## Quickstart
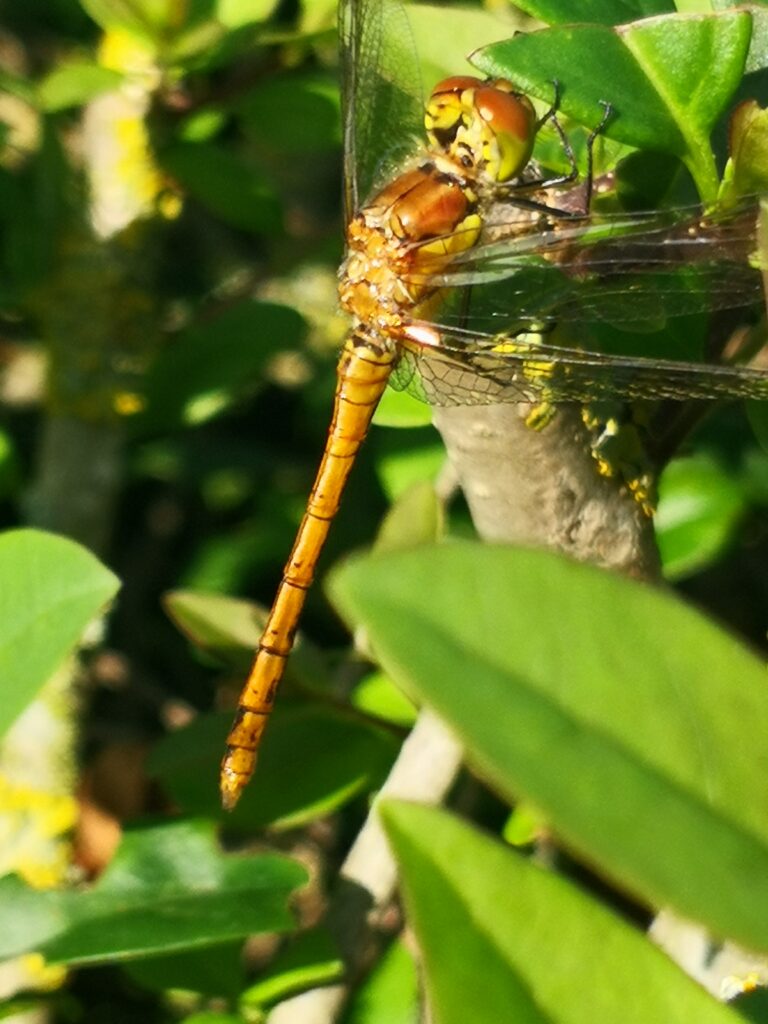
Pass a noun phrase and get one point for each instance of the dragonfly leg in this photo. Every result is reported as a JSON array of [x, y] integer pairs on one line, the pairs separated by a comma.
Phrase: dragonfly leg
[[553, 108], [573, 173], [598, 130], [619, 448]]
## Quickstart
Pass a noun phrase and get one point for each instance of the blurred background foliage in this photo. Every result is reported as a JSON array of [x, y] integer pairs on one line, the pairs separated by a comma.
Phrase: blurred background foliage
[[170, 231]]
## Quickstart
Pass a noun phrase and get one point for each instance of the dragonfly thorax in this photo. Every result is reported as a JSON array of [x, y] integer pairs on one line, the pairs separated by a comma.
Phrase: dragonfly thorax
[[487, 128], [408, 233]]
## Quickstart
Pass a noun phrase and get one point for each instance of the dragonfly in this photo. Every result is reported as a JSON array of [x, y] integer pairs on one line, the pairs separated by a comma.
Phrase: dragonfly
[[468, 216]]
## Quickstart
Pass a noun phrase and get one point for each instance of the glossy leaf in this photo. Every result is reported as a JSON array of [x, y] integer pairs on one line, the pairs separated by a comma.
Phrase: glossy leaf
[[644, 70], [606, 12], [533, 948], [339, 759], [629, 720], [50, 589], [168, 888]]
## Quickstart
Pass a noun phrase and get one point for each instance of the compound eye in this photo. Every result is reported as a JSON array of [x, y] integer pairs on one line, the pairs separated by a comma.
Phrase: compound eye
[[511, 120], [456, 84]]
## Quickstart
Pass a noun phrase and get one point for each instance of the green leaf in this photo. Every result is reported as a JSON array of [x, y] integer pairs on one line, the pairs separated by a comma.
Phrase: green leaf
[[401, 409], [533, 948], [340, 758], [407, 459], [752, 1005], [311, 960], [71, 85], [234, 190], [17, 85], [390, 993], [606, 12], [700, 505], [134, 16], [229, 630], [225, 627], [157, 22], [10, 474], [442, 37], [377, 695], [236, 13], [21, 1009], [213, 1017], [168, 888], [632, 723], [214, 364], [294, 115], [50, 589], [645, 71], [748, 134], [213, 971], [415, 518], [523, 826]]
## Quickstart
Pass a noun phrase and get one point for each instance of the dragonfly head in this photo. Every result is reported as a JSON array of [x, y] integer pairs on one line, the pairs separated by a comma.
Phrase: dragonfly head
[[486, 127]]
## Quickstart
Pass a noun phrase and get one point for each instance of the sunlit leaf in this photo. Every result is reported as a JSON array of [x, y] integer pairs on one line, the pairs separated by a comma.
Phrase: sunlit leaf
[[533, 948], [644, 70], [168, 888], [236, 13], [415, 518], [50, 589], [390, 994], [629, 720], [606, 12], [699, 508], [70, 85]]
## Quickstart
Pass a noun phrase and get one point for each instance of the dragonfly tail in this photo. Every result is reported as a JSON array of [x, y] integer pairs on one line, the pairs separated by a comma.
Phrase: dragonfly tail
[[363, 372]]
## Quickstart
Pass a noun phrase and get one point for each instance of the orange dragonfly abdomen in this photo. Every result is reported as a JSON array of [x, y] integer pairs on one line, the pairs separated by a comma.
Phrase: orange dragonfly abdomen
[[362, 375]]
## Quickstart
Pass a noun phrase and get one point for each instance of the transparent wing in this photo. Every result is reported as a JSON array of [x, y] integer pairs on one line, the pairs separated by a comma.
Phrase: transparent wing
[[625, 268], [382, 107], [472, 369]]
